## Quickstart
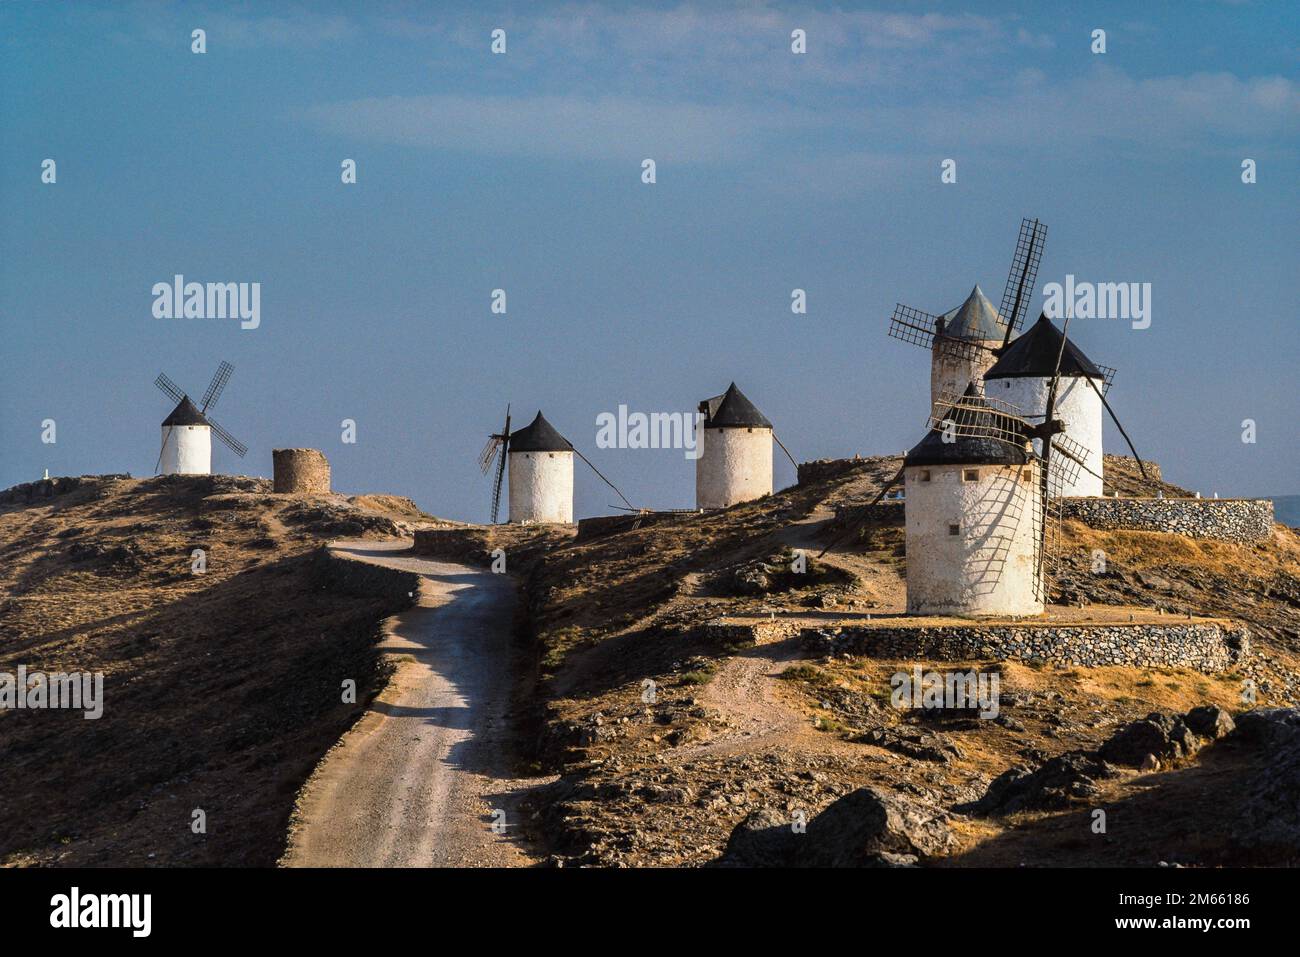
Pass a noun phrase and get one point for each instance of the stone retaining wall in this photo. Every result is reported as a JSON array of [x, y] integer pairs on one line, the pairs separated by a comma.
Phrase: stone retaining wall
[[351, 576], [1238, 520], [1204, 646], [601, 525], [471, 545]]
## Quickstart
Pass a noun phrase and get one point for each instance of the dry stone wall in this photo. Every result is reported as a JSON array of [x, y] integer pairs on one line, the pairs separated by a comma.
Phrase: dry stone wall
[[1205, 646], [1238, 520]]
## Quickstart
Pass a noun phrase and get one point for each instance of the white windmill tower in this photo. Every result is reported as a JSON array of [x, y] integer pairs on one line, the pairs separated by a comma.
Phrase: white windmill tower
[[541, 474], [187, 431], [540, 463], [972, 507], [735, 451], [1023, 377]]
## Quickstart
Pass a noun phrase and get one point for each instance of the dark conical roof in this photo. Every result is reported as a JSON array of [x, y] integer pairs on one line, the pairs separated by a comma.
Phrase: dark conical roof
[[733, 410], [974, 319], [968, 449], [1034, 354], [185, 413], [538, 436]]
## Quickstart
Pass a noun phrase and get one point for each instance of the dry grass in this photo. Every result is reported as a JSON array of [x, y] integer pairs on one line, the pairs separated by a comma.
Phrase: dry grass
[[221, 690]]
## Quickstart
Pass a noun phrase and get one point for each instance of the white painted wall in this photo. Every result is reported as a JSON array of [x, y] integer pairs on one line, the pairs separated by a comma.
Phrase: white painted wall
[[950, 373], [1077, 405], [735, 465], [989, 567], [541, 487], [186, 450]]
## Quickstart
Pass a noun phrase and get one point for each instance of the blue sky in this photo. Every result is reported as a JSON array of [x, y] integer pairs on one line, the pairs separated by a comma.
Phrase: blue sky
[[522, 171]]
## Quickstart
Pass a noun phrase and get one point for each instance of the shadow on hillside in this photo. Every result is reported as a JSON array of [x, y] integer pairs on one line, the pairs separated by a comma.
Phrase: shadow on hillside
[[1183, 816], [223, 700]]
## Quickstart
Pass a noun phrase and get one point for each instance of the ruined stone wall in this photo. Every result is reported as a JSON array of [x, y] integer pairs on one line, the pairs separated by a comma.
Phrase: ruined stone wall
[[1227, 519], [301, 471], [1204, 646]]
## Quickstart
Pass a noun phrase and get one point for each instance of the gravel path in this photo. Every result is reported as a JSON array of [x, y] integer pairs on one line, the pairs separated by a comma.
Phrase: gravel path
[[416, 781]]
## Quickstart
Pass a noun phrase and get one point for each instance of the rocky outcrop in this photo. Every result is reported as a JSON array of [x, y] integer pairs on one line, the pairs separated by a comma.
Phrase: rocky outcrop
[[1052, 786], [866, 828], [1072, 777], [1266, 823], [1165, 737], [1209, 721], [29, 492]]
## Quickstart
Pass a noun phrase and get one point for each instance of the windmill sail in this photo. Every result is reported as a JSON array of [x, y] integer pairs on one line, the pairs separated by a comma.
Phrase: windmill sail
[[1023, 274], [236, 446], [500, 444], [912, 325], [169, 388], [217, 385]]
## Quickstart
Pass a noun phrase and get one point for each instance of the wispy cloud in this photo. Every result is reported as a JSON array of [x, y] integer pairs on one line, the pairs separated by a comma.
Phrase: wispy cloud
[[291, 26], [569, 127], [1196, 111]]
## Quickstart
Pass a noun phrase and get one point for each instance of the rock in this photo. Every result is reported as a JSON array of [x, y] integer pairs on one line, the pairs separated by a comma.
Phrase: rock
[[1150, 763], [1053, 786], [1266, 816], [763, 839], [870, 828], [1267, 726], [1164, 736], [1209, 721], [922, 747]]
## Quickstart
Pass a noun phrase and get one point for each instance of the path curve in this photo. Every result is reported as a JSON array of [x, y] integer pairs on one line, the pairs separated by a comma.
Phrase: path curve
[[415, 781]]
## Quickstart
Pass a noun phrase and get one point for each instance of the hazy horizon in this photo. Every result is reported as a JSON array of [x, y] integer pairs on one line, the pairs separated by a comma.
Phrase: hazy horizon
[[522, 171]]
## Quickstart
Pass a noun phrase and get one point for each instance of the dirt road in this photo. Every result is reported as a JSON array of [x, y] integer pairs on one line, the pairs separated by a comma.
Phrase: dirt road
[[416, 781]]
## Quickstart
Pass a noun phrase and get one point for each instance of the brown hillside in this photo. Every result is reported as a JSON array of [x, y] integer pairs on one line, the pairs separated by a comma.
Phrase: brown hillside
[[222, 690]]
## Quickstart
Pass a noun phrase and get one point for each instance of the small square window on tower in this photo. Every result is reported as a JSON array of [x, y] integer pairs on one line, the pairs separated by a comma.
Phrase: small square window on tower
[[954, 529], [1027, 475], [925, 475], [970, 475]]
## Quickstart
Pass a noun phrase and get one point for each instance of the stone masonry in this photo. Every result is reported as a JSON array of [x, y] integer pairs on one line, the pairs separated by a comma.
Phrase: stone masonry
[[301, 471], [1207, 646], [1238, 520]]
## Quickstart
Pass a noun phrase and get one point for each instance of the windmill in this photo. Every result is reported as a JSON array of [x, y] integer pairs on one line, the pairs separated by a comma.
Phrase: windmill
[[187, 431], [964, 341], [540, 462], [735, 451], [982, 523], [964, 350], [981, 419], [1059, 459]]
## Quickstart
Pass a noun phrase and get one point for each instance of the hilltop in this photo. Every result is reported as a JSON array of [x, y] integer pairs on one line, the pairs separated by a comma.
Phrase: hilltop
[[221, 688], [772, 726], [675, 739]]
